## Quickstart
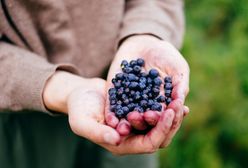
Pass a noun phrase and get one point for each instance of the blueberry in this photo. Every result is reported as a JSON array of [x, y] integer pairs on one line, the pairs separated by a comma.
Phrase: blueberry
[[119, 76], [131, 99], [117, 85], [118, 107], [156, 90], [113, 102], [124, 63], [167, 79], [157, 81], [143, 74], [140, 62], [139, 109], [112, 91], [125, 110], [124, 96], [144, 96], [132, 93], [153, 73], [150, 102], [132, 77], [131, 106], [168, 101], [112, 108], [120, 91], [156, 107], [126, 83], [126, 101], [167, 93], [137, 96], [149, 80], [142, 86], [146, 91], [160, 99], [143, 103], [119, 113], [113, 80], [168, 86], [133, 85], [133, 63], [150, 95], [142, 80], [127, 90], [137, 69], [119, 102], [112, 97], [127, 69]]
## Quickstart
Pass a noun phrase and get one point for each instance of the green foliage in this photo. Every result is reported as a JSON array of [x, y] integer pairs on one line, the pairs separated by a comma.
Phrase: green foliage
[[215, 133]]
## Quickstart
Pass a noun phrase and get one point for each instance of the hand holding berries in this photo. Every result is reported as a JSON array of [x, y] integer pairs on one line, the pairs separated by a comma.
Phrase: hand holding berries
[[167, 61]]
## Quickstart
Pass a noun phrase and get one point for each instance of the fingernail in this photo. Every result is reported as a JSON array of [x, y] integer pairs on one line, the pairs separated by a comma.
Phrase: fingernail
[[109, 138]]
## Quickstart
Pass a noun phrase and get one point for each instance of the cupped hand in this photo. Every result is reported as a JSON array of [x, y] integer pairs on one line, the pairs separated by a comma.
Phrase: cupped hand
[[164, 57], [86, 113], [86, 118]]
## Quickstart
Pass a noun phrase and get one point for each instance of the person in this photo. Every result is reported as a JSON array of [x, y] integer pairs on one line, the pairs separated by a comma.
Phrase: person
[[54, 57]]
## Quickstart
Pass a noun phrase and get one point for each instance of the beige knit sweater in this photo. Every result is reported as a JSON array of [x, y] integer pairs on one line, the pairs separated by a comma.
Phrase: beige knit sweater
[[40, 36]]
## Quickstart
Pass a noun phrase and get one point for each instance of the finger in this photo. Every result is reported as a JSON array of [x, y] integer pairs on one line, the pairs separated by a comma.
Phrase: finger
[[111, 119], [180, 86], [123, 127], [178, 108], [136, 120], [94, 131], [151, 117], [185, 110], [149, 143]]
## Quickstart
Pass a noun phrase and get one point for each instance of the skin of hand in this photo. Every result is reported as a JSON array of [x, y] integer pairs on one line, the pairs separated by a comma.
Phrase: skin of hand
[[84, 102], [164, 57]]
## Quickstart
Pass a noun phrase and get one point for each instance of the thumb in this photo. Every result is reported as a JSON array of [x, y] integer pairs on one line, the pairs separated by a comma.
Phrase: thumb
[[86, 117], [95, 132]]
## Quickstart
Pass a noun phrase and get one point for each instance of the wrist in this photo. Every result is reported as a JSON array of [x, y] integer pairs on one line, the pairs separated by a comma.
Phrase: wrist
[[58, 88]]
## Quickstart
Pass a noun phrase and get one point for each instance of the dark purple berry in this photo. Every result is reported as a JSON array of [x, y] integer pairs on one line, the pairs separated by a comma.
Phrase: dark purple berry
[[112, 108], [124, 63], [119, 113], [132, 77], [139, 109], [133, 63], [136, 69], [168, 101], [133, 85], [140, 62], [160, 99], [125, 110], [153, 73], [167, 93], [143, 103], [157, 81], [127, 69], [167, 79], [168, 86]]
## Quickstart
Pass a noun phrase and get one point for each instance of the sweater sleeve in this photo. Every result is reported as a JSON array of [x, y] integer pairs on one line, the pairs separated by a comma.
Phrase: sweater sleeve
[[23, 76], [161, 18]]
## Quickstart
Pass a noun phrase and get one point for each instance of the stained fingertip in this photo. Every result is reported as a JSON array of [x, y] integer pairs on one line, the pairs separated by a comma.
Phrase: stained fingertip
[[186, 110], [176, 105], [123, 127], [151, 117], [137, 120], [111, 120]]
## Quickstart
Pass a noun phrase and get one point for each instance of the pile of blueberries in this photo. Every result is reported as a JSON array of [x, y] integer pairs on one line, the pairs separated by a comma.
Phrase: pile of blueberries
[[136, 90]]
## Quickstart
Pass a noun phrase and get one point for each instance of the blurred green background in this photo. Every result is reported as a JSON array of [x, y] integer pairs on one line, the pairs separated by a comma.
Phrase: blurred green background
[[215, 133]]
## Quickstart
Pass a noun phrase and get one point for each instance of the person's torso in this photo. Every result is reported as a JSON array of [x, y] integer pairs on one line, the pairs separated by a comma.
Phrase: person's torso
[[81, 32]]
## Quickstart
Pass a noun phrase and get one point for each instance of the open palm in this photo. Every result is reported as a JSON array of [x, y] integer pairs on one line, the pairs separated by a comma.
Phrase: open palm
[[169, 62]]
